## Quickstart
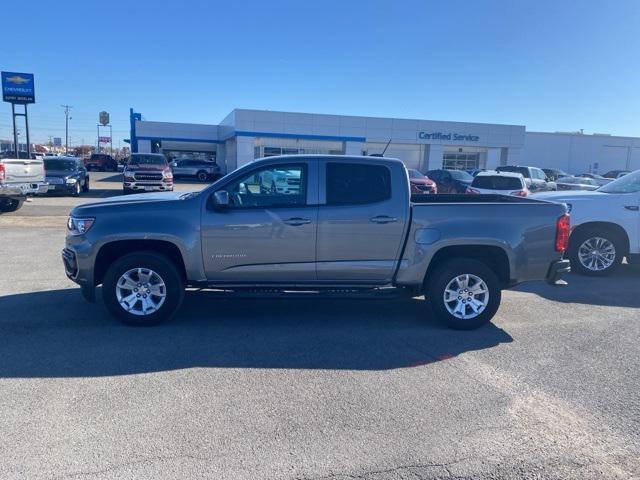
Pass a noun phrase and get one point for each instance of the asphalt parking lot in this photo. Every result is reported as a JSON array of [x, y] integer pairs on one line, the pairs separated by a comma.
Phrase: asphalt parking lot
[[309, 389]]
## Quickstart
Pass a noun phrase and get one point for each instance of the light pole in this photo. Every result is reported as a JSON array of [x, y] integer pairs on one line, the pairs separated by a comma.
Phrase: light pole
[[66, 127]]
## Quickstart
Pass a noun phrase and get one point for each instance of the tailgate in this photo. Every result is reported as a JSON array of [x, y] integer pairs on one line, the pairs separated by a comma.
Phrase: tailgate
[[23, 170]]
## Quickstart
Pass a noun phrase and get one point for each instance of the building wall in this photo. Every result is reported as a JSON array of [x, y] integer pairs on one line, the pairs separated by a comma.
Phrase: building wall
[[421, 144], [577, 153]]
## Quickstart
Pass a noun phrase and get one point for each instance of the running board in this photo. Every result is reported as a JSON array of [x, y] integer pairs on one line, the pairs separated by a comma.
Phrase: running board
[[285, 292]]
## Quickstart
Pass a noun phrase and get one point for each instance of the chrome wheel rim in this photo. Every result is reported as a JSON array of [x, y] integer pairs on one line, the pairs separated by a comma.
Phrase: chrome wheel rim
[[597, 254], [466, 296], [141, 291]]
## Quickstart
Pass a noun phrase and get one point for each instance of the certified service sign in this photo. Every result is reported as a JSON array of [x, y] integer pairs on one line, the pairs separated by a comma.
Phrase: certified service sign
[[18, 87]]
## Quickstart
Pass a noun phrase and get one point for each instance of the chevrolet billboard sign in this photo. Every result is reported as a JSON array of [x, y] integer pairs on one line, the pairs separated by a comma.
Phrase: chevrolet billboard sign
[[18, 87]]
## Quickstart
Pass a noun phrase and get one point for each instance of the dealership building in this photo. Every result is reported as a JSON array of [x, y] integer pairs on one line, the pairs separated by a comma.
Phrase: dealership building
[[245, 135]]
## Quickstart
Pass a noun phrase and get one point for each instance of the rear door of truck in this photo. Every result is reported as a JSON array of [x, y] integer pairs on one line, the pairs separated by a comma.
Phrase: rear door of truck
[[362, 217], [23, 170]]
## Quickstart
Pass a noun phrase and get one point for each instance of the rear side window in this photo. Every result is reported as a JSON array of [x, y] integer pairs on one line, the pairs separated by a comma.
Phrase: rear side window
[[357, 184], [497, 183]]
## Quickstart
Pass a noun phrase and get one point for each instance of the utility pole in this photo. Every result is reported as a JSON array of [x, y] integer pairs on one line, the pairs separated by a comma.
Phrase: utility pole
[[66, 127]]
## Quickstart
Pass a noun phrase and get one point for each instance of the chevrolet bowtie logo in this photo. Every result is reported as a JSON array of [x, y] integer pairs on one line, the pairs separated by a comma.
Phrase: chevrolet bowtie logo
[[18, 80]]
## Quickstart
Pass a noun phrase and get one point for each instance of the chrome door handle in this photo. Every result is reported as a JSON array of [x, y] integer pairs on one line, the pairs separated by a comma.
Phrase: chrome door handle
[[633, 208], [383, 219], [297, 221]]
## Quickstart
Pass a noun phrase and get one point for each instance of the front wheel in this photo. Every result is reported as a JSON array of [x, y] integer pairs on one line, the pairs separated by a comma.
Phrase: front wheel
[[464, 293], [595, 252], [202, 176], [143, 288], [77, 189]]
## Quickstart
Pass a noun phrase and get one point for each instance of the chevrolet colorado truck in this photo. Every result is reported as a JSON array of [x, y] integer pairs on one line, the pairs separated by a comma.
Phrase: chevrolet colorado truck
[[350, 227], [605, 225], [19, 178]]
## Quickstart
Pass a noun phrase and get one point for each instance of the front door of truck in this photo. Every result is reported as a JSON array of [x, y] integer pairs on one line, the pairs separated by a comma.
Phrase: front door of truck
[[266, 234], [360, 222]]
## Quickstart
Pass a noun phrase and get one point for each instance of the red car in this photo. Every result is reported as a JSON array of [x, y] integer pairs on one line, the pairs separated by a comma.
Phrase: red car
[[421, 183]]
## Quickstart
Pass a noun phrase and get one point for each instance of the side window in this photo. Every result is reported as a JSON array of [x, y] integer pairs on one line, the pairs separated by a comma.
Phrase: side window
[[357, 184], [273, 186], [539, 174]]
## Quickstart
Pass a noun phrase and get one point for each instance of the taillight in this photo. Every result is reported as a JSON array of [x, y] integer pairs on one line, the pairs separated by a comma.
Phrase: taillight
[[520, 193], [563, 229], [2, 173], [472, 191]]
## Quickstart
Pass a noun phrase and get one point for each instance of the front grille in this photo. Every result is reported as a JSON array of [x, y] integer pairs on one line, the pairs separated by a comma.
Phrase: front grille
[[148, 176]]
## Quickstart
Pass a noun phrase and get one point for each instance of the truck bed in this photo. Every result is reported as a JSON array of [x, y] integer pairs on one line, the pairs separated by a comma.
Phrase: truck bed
[[420, 198]]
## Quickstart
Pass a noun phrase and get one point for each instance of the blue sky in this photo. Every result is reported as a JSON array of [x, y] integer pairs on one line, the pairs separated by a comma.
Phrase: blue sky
[[549, 65]]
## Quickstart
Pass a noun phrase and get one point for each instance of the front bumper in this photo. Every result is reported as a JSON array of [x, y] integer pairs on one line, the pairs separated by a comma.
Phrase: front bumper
[[23, 189], [556, 270], [62, 188], [73, 268], [148, 187]]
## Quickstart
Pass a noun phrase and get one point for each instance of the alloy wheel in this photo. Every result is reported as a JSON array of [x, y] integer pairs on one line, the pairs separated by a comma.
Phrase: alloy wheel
[[141, 291], [597, 254], [466, 296]]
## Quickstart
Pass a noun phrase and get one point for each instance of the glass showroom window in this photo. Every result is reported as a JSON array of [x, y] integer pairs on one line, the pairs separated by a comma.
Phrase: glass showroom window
[[460, 161], [263, 152]]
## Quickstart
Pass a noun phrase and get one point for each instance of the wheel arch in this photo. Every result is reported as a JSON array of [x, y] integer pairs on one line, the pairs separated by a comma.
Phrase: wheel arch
[[496, 258], [111, 251], [606, 227]]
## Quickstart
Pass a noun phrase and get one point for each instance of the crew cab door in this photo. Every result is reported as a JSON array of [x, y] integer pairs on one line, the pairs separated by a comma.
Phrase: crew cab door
[[264, 235], [362, 217]]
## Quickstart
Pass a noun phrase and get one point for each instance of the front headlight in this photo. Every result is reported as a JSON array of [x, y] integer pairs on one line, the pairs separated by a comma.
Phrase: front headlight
[[71, 181], [79, 226]]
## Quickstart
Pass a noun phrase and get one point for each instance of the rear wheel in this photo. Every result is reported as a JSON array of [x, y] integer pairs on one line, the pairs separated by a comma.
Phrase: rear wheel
[[8, 205], [143, 289], [595, 252], [464, 293]]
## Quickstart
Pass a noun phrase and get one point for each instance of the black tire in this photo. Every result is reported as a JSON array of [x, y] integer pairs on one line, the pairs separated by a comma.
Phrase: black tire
[[9, 205], [77, 189], [160, 264], [581, 236], [447, 272], [85, 186], [202, 176]]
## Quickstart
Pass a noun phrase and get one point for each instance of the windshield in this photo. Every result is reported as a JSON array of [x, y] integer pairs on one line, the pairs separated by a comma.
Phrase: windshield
[[147, 160], [630, 183], [460, 175], [415, 174], [58, 164]]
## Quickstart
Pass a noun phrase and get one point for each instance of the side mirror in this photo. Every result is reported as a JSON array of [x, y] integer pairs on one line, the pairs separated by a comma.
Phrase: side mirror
[[221, 200]]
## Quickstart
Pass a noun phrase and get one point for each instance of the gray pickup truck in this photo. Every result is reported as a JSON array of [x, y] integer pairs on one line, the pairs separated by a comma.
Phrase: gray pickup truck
[[342, 226], [19, 178]]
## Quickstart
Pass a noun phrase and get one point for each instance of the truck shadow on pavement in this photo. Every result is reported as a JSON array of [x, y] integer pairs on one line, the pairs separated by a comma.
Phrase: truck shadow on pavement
[[620, 289], [57, 334]]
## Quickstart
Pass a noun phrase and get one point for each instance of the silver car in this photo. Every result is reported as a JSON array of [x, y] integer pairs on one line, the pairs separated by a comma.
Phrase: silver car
[[201, 169]]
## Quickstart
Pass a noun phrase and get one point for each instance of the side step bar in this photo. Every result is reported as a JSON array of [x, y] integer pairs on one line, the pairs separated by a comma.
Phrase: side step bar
[[286, 292]]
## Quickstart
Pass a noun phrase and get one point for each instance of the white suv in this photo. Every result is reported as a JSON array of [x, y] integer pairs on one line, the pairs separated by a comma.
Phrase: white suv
[[605, 225], [504, 183]]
